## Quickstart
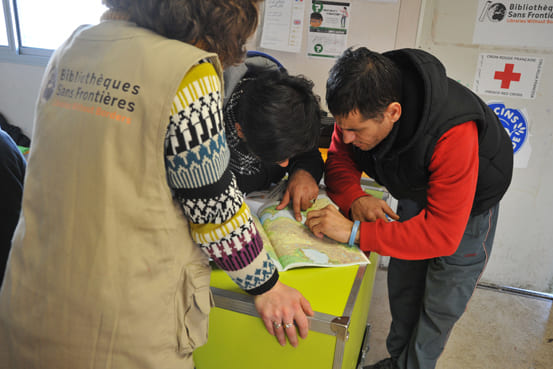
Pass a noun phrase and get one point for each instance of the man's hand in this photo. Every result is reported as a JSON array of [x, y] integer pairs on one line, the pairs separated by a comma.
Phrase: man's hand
[[283, 309], [329, 222], [302, 190], [370, 208]]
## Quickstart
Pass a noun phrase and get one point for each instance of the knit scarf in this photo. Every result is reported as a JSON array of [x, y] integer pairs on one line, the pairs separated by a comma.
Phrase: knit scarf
[[242, 161]]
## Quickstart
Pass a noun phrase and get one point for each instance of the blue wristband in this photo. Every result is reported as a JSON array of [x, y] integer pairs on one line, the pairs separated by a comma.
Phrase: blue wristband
[[353, 234]]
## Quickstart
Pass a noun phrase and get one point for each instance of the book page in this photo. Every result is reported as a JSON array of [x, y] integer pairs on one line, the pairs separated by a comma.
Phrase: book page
[[296, 246], [267, 245]]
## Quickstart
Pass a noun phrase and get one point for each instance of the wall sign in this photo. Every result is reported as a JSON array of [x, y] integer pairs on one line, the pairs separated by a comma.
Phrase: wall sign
[[283, 25], [328, 28], [527, 23], [516, 124], [514, 76]]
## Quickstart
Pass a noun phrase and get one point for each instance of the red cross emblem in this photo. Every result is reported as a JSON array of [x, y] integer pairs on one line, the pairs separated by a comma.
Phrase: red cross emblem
[[507, 76]]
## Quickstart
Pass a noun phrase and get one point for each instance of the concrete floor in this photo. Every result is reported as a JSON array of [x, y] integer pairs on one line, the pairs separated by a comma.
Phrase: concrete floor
[[498, 331]]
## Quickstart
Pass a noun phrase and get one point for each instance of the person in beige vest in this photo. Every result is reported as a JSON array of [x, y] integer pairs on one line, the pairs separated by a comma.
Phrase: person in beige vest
[[128, 194]]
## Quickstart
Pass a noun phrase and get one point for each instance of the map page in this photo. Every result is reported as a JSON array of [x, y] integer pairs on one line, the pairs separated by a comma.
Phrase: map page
[[291, 244]]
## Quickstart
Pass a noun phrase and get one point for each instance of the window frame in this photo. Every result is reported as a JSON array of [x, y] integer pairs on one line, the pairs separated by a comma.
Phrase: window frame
[[15, 52]]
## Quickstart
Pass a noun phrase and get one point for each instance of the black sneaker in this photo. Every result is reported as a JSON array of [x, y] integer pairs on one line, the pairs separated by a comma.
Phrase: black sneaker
[[388, 363]]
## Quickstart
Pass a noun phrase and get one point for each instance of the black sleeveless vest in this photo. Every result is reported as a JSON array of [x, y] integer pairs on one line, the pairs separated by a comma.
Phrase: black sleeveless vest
[[432, 104]]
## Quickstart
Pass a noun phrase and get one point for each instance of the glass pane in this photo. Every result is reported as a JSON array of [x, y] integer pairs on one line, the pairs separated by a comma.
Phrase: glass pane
[[3, 33], [46, 24]]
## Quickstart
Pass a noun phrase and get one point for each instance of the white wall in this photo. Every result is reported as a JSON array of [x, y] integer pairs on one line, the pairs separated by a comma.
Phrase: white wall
[[523, 249], [380, 26], [19, 86]]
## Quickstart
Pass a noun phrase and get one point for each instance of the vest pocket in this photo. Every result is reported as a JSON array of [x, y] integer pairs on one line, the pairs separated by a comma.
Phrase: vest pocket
[[193, 303]]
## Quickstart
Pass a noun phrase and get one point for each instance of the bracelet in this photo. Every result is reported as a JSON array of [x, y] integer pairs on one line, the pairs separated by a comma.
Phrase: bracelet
[[353, 234]]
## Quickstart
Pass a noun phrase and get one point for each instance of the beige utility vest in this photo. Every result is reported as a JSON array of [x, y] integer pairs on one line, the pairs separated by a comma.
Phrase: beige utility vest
[[103, 272]]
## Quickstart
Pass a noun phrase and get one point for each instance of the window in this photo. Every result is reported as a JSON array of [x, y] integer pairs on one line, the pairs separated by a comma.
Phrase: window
[[40, 26], [46, 24], [3, 32]]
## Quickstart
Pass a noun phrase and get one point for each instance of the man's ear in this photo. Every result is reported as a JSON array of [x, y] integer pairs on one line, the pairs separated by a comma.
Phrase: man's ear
[[239, 132], [394, 111]]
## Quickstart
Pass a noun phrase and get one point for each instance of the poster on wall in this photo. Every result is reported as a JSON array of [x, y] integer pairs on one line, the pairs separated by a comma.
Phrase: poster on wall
[[515, 76], [526, 23], [515, 122], [283, 25], [328, 28]]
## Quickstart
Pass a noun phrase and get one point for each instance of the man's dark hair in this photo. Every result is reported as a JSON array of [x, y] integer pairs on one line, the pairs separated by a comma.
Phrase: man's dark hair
[[279, 115], [362, 80]]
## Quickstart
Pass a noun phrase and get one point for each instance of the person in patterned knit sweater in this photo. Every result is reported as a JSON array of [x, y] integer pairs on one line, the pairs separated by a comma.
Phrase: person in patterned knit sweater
[[128, 193], [272, 121]]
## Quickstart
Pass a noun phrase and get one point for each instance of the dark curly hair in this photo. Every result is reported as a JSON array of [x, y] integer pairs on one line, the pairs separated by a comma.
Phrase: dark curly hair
[[219, 26], [279, 115]]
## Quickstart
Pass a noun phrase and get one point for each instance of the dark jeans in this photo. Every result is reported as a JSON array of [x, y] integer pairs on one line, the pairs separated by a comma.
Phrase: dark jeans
[[427, 297]]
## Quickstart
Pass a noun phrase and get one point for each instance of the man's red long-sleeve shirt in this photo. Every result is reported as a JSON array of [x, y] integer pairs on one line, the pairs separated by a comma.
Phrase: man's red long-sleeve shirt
[[437, 230]]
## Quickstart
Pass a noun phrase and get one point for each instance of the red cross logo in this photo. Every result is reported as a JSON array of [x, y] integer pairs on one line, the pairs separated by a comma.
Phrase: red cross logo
[[507, 76]]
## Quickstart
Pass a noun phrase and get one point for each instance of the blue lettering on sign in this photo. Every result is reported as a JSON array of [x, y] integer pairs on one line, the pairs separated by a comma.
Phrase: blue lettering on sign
[[514, 123]]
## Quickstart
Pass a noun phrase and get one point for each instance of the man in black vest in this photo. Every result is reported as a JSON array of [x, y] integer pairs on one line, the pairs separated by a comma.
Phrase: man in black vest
[[442, 152]]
